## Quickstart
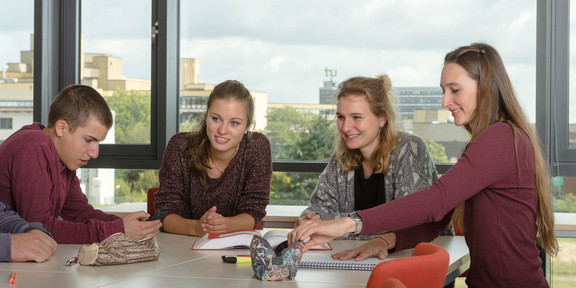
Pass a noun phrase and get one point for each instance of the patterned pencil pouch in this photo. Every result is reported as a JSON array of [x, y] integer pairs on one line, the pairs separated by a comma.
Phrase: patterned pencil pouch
[[276, 264], [119, 249]]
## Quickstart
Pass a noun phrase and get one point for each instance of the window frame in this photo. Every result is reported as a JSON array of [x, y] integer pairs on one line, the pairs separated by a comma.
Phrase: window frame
[[57, 33], [57, 46], [552, 83]]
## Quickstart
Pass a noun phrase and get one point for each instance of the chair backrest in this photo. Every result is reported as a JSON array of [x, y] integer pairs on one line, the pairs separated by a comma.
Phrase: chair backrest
[[150, 200], [426, 268], [392, 283]]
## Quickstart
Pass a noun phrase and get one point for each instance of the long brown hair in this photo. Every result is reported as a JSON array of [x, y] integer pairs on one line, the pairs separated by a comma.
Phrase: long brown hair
[[497, 101], [198, 149], [377, 93]]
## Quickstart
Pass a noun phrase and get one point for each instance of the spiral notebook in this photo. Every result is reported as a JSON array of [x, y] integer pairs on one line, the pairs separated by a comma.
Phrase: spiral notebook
[[325, 261]]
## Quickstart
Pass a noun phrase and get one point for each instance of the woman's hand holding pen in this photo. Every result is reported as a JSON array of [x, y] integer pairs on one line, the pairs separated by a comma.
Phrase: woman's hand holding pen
[[321, 232]]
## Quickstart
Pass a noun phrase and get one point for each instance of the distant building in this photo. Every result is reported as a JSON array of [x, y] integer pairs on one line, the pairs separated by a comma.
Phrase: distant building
[[328, 92], [409, 99], [194, 96], [438, 125], [326, 110]]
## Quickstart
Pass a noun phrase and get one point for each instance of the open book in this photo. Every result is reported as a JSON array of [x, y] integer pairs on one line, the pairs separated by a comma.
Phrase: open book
[[241, 240], [325, 261]]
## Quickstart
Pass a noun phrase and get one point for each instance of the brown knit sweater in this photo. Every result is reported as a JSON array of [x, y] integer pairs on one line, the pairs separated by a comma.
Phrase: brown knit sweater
[[244, 187]]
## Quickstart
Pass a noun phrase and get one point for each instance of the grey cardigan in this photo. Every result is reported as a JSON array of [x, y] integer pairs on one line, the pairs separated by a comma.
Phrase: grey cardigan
[[411, 169]]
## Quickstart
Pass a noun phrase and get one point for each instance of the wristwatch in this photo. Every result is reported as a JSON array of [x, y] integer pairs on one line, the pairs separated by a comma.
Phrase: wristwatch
[[358, 220]]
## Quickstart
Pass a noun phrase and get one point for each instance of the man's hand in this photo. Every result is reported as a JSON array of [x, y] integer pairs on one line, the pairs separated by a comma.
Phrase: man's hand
[[135, 227], [33, 245]]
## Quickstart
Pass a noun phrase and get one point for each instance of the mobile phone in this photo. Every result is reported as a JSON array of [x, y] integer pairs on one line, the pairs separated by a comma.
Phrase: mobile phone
[[157, 215]]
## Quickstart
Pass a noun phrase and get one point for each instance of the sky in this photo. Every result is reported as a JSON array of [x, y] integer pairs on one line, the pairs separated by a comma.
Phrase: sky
[[283, 47]]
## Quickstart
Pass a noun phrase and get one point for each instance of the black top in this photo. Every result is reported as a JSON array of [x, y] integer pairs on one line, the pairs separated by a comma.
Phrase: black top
[[368, 192]]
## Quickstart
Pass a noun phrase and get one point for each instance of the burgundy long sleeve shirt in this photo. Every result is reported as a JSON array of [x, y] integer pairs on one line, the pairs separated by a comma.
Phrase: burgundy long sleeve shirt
[[495, 176], [40, 188]]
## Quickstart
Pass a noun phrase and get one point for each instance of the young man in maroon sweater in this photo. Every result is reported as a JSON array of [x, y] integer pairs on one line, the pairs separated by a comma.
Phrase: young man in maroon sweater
[[38, 171]]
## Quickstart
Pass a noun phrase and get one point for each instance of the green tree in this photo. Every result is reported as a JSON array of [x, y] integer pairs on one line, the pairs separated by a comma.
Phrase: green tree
[[284, 129], [132, 184], [437, 152], [288, 189], [297, 136], [132, 116], [316, 143], [566, 205], [132, 125]]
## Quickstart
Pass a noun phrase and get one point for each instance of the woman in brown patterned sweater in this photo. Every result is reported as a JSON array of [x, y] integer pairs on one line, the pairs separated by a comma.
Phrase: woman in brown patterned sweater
[[217, 178]]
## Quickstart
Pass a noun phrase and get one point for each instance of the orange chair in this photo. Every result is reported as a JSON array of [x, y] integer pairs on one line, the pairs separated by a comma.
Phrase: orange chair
[[426, 268], [392, 283], [150, 200]]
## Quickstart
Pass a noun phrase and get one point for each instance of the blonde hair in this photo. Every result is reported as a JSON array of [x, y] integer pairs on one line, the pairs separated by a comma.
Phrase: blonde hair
[[377, 93], [497, 101]]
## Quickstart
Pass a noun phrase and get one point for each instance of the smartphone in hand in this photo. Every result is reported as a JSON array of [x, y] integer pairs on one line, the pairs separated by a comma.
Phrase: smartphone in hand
[[158, 215]]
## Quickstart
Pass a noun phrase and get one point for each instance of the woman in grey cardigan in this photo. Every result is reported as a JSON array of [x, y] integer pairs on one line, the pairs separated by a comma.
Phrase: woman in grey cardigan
[[374, 161]]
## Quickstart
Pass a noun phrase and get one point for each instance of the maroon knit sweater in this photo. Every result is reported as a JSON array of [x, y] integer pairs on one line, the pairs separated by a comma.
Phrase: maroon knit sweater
[[39, 187], [495, 176], [244, 187]]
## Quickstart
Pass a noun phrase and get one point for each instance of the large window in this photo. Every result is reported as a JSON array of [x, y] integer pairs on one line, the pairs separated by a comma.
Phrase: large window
[[563, 135], [16, 66], [293, 55], [116, 57]]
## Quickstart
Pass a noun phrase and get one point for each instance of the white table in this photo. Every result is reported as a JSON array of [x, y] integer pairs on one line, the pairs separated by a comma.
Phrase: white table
[[284, 216], [179, 266]]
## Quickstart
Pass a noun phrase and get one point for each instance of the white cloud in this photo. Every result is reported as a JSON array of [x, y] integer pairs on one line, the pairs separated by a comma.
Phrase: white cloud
[[283, 47]]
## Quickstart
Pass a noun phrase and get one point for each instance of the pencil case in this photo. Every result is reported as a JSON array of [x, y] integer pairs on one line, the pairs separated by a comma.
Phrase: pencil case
[[119, 249], [273, 264]]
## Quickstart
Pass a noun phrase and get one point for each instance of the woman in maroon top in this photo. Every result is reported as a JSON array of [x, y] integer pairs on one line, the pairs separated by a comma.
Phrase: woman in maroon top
[[217, 178], [498, 191]]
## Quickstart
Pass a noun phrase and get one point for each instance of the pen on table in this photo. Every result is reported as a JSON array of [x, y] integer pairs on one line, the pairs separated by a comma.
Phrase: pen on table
[[237, 259], [12, 279]]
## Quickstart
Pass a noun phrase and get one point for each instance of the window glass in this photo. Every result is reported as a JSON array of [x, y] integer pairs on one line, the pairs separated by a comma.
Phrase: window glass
[[293, 55], [564, 187], [16, 66], [564, 265], [116, 60], [572, 78]]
